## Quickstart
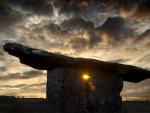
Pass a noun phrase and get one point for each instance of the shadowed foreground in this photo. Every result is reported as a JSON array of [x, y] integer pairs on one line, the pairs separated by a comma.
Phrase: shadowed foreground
[[37, 105]]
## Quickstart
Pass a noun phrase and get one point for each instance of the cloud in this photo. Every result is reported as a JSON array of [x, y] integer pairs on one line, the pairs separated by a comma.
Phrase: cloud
[[141, 89], [83, 30], [143, 10], [143, 40], [79, 43], [32, 74], [119, 60], [77, 23], [25, 86], [115, 28], [50, 29], [8, 16], [24, 75], [39, 7], [2, 69], [144, 36], [34, 86], [73, 6], [75, 33], [145, 59], [11, 76]]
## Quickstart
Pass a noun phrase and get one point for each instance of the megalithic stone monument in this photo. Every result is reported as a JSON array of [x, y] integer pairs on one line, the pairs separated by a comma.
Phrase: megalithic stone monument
[[79, 85]]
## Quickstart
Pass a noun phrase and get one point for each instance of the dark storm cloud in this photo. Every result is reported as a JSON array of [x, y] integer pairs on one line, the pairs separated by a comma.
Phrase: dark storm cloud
[[116, 28], [78, 43], [73, 6], [94, 39], [38, 7], [78, 6], [128, 4], [41, 7], [84, 6], [54, 28], [8, 16], [114, 4], [79, 24], [74, 29], [143, 9], [51, 28]]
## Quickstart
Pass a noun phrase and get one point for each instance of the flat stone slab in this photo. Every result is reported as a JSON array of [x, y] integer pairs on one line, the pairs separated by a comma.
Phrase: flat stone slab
[[43, 60]]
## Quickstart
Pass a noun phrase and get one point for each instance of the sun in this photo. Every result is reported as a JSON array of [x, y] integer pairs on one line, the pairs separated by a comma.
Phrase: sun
[[86, 77]]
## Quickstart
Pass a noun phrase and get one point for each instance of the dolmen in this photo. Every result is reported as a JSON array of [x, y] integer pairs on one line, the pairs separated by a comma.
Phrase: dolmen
[[79, 85]]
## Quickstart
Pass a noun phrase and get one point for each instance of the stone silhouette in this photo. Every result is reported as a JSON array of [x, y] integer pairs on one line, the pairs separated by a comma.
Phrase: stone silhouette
[[79, 85]]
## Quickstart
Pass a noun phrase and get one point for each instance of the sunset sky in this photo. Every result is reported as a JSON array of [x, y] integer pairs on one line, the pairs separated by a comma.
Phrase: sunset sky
[[108, 30]]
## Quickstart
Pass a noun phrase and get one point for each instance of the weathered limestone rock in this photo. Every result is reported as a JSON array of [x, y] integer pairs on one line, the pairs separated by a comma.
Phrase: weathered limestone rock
[[79, 85]]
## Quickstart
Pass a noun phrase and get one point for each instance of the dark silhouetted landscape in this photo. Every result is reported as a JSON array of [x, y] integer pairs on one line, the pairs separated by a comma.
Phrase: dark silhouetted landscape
[[10, 104]]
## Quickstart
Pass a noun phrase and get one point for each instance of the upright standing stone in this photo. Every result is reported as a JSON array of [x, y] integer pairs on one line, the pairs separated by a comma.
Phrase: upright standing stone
[[68, 92]]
